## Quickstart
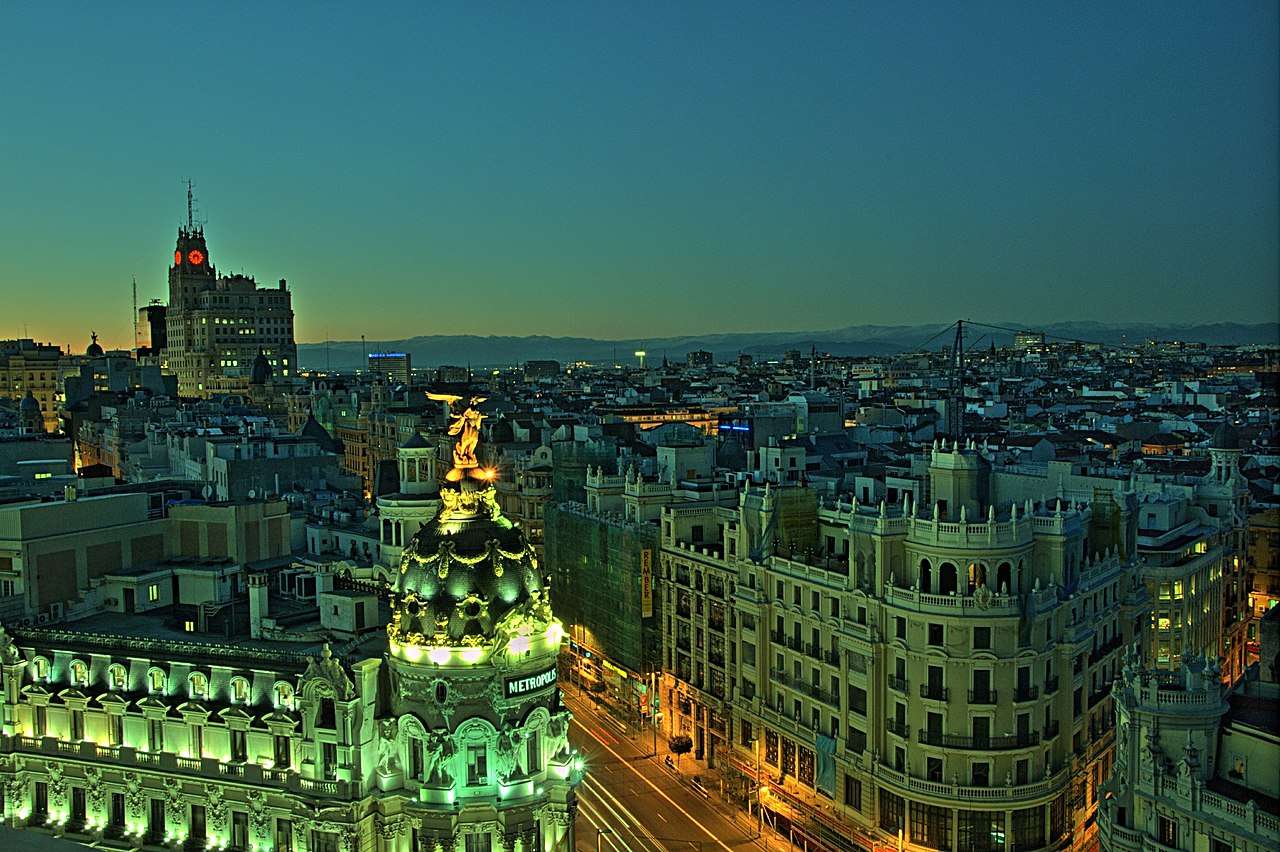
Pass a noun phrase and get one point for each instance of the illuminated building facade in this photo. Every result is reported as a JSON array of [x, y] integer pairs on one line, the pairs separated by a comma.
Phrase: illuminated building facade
[[28, 367], [392, 366], [216, 325], [444, 731], [936, 673]]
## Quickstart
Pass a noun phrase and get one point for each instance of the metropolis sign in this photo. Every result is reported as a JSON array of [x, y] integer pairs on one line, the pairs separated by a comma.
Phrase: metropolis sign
[[514, 687]]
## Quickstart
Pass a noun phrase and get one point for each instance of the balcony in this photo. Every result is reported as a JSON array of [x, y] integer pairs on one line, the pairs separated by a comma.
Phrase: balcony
[[982, 696], [831, 658], [794, 643], [897, 684], [934, 692], [1106, 648], [897, 728], [1051, 685], [974, 793], [1051, 730], [1025, 693], [1096, 697], [206, 767], [777, 638], [1004, 743]]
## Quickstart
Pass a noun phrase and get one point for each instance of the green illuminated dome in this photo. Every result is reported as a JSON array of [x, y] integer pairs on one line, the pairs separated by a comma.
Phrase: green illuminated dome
[[463, 572]]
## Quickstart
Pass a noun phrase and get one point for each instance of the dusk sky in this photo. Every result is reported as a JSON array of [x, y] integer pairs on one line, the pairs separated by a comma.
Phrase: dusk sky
[[612, 170]]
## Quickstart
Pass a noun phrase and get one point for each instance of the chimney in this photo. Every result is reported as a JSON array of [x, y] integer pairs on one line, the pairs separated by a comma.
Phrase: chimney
[[282, 284], [257, 604]]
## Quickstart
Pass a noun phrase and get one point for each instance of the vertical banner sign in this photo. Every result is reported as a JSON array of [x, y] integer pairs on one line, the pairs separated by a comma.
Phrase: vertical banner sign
[[646, 583]]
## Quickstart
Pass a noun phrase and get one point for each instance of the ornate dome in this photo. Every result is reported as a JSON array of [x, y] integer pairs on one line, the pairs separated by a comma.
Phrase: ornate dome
[[94, 350], [1225, 437], [29, 404], [464, 572]]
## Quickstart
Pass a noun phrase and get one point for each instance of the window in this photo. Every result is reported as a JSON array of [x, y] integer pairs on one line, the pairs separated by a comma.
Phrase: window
[[239, 690], [930, 826], [981, 637], [325, 715], [857, 741], [239, 747], [117, 676], [477, 765], [935, 634], [77, 725], [155, 680], [282, 752], [283, 695], [79, 673], [1167, 831], [199, 685], [115, 729], [853, 793], [533, 754], [42, 668], [900, 627], [891, 811], [981, 773], [155, 735], [153, 592], [480, 842], [196, 740], [329, 760]]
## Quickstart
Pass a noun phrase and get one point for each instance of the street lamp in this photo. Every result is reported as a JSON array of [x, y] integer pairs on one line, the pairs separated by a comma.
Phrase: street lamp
[[600, 833]]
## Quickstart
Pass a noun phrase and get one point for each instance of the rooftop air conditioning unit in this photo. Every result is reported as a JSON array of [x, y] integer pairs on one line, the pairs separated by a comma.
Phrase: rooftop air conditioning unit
[[42, 618]]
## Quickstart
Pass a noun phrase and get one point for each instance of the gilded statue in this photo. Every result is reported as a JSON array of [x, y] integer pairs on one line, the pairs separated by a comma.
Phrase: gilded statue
[[466, 428]]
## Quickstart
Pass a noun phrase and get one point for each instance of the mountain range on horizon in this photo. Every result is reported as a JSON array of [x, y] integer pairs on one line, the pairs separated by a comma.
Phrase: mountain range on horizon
[[853, 340]]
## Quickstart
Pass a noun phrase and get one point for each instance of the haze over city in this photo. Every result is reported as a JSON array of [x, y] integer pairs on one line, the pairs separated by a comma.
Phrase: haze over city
[[638, 172]]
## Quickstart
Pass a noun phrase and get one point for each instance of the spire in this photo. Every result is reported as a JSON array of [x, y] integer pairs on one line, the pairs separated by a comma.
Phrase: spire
[[190, 207]]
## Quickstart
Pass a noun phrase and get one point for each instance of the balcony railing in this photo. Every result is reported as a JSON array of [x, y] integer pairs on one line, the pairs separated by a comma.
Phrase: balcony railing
[[1025, 693], [897, 684], [1002, 743], [982, 696], [934, 691], [893, 726], [1051, 685], [1051, 730], [1106, 648], [205, 767]]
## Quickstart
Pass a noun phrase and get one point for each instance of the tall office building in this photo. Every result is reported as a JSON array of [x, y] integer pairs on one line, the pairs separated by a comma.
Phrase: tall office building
[[392, 366], [216, 325]]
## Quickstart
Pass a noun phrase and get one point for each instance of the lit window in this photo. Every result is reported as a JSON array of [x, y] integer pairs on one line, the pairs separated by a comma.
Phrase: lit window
[[153, 592], [199, 685], [79, 673], [284, 695], [155, 680], [42, 668], [117, 676], [189, 626]]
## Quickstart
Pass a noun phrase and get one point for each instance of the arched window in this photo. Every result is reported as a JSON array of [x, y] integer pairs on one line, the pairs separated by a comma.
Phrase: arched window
[[155, 680], [977, 576], [117, 676], [42, 668], [948, 582], [283, 693], [926, 576], [198, 685], [79, 673], [1004, 579], [239, 690]]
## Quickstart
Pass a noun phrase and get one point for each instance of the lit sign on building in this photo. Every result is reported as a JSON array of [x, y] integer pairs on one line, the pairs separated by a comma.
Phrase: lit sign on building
[[514, 687], [646, 583]]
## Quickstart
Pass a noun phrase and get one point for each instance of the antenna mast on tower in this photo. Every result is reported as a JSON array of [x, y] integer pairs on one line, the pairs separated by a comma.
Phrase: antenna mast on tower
[[190, 208], [955, 405], [134, 320]]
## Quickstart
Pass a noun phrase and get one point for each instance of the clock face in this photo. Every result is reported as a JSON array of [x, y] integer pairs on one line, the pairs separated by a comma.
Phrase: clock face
[[196, 257], [177, 257]]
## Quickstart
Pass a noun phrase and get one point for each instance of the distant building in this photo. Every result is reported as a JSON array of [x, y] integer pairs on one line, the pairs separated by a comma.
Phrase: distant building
[[392, 366], [216, 325], [152, 329], [546, 369], [1027, 341], [28, 367], [699, 358]]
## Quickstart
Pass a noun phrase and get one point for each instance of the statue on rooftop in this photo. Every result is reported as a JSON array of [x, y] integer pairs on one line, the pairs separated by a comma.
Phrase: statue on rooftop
[[466, 427]]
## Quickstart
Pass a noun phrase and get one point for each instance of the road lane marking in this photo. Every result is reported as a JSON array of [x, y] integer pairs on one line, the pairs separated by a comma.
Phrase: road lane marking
[[625, 813], [673, 802], [598, 820]]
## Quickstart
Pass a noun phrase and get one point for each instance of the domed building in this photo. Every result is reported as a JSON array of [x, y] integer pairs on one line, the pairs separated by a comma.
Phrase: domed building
[[481, 737], [30, 417], [94, 349]]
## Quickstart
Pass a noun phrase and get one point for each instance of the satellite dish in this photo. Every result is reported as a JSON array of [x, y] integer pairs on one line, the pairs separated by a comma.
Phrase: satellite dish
[[206, 492], [253, 493]]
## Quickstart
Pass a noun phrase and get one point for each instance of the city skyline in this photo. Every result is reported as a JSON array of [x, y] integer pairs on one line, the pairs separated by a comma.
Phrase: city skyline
[[594, 171]]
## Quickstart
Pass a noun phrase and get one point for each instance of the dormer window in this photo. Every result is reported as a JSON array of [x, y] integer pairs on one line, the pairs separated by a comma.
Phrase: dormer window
[[283, 695], [155, 681], [199, 685], [79, 673], [239, 690], [42, 668], [117, 677]]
